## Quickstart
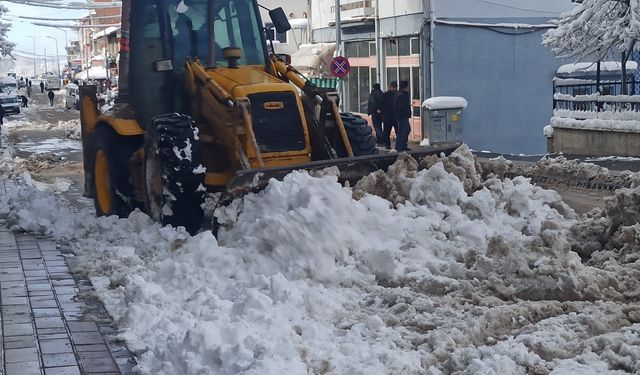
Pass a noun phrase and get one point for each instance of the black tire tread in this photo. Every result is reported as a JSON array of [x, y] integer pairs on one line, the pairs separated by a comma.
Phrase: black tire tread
[[361, 137], [167, 132]]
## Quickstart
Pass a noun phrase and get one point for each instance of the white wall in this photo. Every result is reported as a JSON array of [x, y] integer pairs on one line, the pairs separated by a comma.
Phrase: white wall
[[393, 8], [322, 15]]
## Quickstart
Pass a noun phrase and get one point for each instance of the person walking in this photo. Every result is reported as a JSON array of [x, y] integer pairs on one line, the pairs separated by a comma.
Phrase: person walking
[[41, 87], [2, 113], [51, 95], [30, 82], [374, 109], [388, 113], [29, 90], [403, 114]]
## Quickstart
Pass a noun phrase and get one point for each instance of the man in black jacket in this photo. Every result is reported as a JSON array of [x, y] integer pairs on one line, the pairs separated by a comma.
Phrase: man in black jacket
[[388, 113], [403, 114], [374, 109]]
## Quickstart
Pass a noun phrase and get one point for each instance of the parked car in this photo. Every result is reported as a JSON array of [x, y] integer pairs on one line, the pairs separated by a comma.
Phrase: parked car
[[72, 96], [11, 103], [8, 85]]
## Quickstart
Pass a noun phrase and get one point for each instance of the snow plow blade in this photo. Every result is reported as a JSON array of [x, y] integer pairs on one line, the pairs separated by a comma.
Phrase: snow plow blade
[[351, 169]]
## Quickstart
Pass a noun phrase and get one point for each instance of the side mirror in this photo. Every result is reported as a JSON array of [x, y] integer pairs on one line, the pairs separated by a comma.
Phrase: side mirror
[[279, 19]]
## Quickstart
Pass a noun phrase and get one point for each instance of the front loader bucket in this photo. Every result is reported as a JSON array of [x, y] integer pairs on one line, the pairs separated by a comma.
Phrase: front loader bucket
[[351, 169]]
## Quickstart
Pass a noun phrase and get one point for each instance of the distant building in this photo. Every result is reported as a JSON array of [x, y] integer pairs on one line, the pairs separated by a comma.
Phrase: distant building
[[488, 52]]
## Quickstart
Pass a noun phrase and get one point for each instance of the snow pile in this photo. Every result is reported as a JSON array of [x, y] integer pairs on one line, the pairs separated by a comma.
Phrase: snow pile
[[435, 267], [573, 171], [72, 128]]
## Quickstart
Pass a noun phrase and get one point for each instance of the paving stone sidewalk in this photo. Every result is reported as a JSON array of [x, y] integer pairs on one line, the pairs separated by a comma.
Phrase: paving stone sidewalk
[[50, 326]]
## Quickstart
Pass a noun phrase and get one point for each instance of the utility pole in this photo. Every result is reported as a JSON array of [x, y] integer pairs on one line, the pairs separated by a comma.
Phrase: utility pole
[[380, 63], [46, 70], [432, 64], [57, 54], [66, 44], [338, 30], [339, 52], [35, 73]]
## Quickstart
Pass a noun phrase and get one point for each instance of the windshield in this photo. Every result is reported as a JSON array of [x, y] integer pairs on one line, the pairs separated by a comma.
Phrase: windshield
[[235, 25]]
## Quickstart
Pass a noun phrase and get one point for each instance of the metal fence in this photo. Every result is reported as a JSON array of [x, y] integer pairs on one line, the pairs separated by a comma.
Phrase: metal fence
[[585, 97]]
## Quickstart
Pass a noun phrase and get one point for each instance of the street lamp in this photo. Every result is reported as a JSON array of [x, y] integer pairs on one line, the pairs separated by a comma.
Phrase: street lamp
[[57, 54], [66, 43], [35, 73]]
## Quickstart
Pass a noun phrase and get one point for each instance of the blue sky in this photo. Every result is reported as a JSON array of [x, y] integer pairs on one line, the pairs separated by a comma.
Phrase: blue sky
[[21, 28]]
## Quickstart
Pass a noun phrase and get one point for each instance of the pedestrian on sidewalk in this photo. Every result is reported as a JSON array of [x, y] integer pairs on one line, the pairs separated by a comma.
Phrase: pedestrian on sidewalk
[[51, 95], [403, 114], [41, 87], [24, 101], [388, 113], [2, 113], [374, 109], [29, 90], [30, 82]]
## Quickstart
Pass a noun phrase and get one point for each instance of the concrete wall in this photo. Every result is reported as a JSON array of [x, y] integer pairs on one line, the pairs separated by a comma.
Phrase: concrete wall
[[595, 143], [507, 80]]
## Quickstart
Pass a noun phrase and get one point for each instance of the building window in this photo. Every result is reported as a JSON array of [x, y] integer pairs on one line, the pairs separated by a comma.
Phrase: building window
[[415, 46], [404, 47], [359, 87], [372, 49], [357, 49], [391, 47]]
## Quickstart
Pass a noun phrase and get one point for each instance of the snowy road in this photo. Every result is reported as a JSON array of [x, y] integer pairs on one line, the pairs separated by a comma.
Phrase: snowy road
[[437, 268]]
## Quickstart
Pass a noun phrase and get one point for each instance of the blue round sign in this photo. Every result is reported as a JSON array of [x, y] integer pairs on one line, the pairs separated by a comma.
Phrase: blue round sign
[[340, 66]]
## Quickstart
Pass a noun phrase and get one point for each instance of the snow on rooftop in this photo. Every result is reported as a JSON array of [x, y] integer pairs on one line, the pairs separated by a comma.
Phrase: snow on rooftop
[[445, 102], [605, 66]]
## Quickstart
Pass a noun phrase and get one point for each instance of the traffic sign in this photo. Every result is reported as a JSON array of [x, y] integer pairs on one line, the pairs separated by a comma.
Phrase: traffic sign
[[340, 66]]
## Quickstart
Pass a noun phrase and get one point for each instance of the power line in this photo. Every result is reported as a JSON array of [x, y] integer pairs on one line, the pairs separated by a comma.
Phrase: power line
[[57, 5], [517, 8], [63, 19], [102, 26]]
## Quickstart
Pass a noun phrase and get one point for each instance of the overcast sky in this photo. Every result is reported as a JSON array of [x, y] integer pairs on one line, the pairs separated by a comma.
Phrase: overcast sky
[[21, 29]]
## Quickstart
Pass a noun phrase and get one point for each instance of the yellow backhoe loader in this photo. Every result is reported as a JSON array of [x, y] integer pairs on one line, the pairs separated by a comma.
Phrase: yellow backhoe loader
[[204, 105]]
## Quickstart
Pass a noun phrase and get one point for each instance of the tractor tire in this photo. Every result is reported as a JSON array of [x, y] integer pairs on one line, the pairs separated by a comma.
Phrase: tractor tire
[[361, 137], [112, 180], [173, 173]]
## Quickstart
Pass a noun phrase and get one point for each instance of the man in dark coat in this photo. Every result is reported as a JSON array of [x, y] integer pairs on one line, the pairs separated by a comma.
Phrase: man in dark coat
[[388, 113], [374, 109], [403, 114], [51, 95], [24, 101], [41, 87]]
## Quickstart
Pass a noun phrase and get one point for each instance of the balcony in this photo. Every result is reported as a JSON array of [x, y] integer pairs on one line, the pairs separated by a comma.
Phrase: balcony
[[354, 10]]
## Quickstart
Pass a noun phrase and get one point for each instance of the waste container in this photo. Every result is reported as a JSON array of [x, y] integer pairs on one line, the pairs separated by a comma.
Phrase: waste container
[[442, 118]]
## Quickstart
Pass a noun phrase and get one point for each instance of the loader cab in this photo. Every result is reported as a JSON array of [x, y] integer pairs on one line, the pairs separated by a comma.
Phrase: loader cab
[[165, 34]]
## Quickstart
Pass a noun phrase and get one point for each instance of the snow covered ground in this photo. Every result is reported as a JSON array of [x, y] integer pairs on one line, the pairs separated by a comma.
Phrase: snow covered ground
[[432, 268]]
